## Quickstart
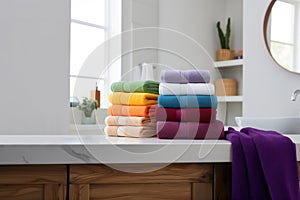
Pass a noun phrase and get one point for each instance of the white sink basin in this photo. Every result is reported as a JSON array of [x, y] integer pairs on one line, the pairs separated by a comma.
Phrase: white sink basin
[[284, 125]]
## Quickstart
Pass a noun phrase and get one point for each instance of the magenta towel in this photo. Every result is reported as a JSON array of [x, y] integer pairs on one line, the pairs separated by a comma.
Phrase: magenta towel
[[264, 165], [185, 114], [185, 76], [190, 130]]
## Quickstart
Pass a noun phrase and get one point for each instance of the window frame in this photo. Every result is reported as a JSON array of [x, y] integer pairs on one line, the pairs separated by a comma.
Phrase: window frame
[[294, 40], [104, 81]]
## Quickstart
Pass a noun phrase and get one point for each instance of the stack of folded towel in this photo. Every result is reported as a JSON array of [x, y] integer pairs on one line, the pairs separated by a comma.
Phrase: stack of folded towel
[[187, 106], [132, 113]]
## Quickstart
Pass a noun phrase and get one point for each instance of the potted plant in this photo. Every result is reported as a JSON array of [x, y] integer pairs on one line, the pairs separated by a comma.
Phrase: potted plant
[[224, 53], [88, 108]]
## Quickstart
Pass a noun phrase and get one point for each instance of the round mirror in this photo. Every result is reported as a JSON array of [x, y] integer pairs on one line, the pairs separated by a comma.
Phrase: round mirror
[[281, 28]]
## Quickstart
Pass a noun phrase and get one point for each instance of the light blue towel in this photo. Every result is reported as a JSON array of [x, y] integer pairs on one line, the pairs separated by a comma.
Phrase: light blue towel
[[192, 101]]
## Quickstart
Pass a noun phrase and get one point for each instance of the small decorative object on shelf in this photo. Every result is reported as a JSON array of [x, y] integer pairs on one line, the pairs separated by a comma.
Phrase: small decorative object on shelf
[[95, 94], [226, 87], [88, 108], [225, 53], [74, 101], [239, 54]]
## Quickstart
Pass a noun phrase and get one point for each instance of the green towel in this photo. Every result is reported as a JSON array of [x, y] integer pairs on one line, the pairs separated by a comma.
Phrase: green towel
[[117, 86], [135, 86]]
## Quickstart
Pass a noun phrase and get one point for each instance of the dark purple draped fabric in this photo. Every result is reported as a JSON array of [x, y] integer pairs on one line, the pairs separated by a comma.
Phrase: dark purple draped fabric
[[264, 165]]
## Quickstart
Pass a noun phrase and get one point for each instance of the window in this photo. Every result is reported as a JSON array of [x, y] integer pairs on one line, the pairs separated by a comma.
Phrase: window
[[282, 40], [93, 22]]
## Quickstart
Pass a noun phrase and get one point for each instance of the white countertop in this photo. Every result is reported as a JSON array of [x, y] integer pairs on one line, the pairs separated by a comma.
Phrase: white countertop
[[79, 149]]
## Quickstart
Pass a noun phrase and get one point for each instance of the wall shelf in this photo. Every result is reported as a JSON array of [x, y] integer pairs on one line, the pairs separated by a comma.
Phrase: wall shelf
[[230, 98], [231, 106], [229, 63]]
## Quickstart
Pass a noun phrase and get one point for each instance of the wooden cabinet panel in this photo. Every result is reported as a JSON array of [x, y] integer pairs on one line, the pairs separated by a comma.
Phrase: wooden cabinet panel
[[91, 182], [21, 192], [79, 191], [81, 174], [33, 174], [222, 181], [54, 191], [176, 181], [201, 191], [33, 182], [166, 191]]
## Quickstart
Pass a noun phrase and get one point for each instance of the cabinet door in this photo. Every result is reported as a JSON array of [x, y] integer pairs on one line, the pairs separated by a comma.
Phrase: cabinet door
[[176, 181], [222, 181], [33, 182]]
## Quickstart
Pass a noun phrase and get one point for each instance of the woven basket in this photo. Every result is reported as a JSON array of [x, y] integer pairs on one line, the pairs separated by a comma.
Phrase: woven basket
[[226, 87], [225, 54]]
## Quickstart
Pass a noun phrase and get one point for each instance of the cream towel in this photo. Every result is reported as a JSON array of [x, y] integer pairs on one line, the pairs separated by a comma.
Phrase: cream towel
[[186, 89], [130, 131], [128, 121]]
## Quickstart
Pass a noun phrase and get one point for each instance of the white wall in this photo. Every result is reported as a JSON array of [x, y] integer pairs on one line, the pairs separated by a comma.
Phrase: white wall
[[195, 18], [234, 10], [267, 87], [34, 61], [139, 38], [188, 36]]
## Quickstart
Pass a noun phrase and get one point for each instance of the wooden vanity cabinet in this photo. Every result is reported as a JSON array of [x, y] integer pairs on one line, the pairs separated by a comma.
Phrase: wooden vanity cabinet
[[33, 182], [175, 181], [98, 181]]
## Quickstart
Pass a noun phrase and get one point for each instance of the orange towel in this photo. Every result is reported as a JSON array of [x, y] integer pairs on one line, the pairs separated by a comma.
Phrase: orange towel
[[139, 111], [129, 121], [133, 99], [130, 131]]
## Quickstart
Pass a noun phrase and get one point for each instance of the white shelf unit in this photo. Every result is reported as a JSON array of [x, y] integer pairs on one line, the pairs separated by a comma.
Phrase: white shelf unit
[[229, 63], [231, 69], [231, 106], [230, 98]]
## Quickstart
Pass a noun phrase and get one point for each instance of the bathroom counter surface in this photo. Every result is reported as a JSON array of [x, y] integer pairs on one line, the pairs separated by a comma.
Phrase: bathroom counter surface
[[80, 149]]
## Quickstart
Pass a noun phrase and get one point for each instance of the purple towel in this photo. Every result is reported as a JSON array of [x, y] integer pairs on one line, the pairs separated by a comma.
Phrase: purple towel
[[185, 76], [190, 130], [264, 165]]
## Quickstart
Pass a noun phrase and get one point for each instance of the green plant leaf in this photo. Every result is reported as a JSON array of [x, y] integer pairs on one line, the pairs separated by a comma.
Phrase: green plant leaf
[[221, 35], [88, 105], [227, 36]]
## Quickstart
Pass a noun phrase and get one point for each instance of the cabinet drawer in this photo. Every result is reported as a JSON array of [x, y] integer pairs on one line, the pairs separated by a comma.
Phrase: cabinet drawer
[[176, 181]]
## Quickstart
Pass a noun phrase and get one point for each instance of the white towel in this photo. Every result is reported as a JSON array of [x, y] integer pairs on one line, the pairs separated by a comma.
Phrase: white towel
[[186, 89], [147, 72]]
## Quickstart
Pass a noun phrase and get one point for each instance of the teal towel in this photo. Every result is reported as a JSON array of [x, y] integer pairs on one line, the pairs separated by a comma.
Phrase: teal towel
[[192, 101], [135, 86]]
